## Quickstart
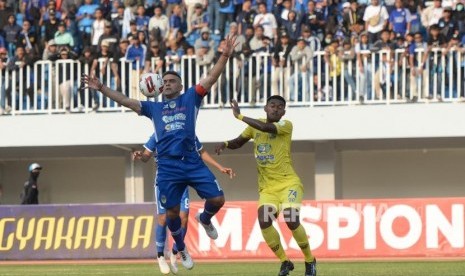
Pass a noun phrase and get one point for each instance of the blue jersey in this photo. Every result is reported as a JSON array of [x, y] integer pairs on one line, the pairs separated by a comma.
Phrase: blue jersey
[[399, 18], [174, 122], [150, 145]]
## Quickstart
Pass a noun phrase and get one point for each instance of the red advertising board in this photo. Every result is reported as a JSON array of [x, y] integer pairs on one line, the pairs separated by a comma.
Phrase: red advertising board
[[336, 229]]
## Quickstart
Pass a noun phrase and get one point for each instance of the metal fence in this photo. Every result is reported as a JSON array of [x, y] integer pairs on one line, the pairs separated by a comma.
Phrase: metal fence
[[340, 78]]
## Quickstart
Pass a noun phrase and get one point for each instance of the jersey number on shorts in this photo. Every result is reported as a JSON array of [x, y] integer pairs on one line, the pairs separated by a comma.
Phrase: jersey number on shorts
[[292, 195]]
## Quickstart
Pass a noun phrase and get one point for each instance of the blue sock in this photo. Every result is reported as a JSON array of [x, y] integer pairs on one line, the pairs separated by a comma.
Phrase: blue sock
[[160, 238], [209, 211], [175, 247], [176, 232]]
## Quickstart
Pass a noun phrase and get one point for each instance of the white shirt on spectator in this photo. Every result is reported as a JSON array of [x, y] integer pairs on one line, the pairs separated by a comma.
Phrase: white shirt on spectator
[[436, 15], [268, 22], [372, 11], [162, 23], [97, 30]]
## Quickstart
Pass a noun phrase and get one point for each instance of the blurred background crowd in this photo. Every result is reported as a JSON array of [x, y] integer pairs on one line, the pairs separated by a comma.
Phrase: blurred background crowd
[[157, 34]]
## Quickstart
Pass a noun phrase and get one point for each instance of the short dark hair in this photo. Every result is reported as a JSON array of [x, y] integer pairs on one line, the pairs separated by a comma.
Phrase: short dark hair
[[276, 97], [172, 73]]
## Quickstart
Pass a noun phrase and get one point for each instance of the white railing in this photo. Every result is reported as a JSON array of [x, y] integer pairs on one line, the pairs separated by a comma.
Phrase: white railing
[[378, 78]]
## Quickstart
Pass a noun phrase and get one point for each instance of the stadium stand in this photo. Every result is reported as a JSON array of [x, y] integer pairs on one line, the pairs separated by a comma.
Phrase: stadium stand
[[324, 52]]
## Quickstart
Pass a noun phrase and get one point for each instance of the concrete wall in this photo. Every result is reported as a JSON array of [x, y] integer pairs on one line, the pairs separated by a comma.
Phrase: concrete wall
[[364, 174], [403, 173], [94, 180], [88, 180]]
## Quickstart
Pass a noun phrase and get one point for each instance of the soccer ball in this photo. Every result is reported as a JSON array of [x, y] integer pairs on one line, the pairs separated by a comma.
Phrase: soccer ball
[[151, 85]]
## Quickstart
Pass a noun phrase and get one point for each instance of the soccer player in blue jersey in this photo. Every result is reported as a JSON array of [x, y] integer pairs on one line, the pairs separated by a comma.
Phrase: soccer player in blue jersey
[[160, 232], [179, 163]]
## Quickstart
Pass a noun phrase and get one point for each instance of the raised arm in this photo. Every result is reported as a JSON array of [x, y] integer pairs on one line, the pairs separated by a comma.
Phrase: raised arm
[[94, 83], [216, 71], [257, 124]]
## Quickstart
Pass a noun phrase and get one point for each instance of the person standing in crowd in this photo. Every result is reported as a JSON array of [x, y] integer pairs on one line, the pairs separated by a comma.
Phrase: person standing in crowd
[[159, 24], [30, 193], [302, 58], [4, 13], [245, 17], [11, 31], [267, 21], [376, 18], [51, 25], [399, 19], [120, 68]]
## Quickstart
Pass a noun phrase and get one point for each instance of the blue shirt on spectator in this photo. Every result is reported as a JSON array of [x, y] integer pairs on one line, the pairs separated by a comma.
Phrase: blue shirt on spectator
[[301, 7], [173, 1], [142, 21], [135, 53], [85, 24], [228, 9], [47, 15], [170, 53], [414, 46], [399, 19], [33, 3], [2, 42], [175, 21]]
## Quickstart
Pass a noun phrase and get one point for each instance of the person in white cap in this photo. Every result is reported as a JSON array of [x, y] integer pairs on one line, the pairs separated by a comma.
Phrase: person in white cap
[[30, 194]]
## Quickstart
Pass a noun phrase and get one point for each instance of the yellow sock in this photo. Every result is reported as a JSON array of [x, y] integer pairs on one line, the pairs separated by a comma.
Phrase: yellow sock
[[271, 237], [301, 238]]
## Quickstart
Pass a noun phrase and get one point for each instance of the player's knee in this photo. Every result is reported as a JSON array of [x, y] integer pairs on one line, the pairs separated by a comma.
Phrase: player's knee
[[173, 213], [292, 218], [264, 222], [217, 201], [266, 215], [292, 225]]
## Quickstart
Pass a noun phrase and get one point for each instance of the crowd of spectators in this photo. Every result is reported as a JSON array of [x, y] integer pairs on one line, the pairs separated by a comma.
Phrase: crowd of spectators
[[289, 30]]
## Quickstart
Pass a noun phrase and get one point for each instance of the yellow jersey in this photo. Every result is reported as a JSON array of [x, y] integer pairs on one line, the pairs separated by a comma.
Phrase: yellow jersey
[[273, 156]]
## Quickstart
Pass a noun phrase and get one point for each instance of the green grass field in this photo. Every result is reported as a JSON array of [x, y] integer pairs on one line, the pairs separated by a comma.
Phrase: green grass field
[[446, 268]]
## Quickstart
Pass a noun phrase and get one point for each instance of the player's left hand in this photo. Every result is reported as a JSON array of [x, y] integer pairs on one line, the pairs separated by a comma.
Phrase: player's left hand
[[235, 108], [230, 45], [229, 172], [137, 155]]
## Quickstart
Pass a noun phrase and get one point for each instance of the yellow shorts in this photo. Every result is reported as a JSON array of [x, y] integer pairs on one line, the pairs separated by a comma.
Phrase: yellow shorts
[[289, 197]]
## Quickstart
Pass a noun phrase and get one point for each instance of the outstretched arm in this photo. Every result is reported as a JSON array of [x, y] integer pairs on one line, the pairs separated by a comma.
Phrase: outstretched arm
[[209, 159], [257, 124], [216, 71], [231, 144], [94, 83]]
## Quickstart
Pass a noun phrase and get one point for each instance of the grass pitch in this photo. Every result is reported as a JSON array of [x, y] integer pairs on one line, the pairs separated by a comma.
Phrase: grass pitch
[[403, 268]]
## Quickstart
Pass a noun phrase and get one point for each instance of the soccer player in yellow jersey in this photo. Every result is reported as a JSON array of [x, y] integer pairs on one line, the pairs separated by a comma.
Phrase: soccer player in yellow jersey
[[279, 186]]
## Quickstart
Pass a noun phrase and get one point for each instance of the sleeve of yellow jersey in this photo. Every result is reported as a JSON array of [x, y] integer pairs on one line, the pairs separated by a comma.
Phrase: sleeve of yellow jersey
[[283, 127], [248, 133]]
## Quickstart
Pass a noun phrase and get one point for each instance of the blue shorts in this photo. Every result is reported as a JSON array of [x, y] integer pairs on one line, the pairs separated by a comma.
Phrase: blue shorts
[[174, 175], [184, 202]]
